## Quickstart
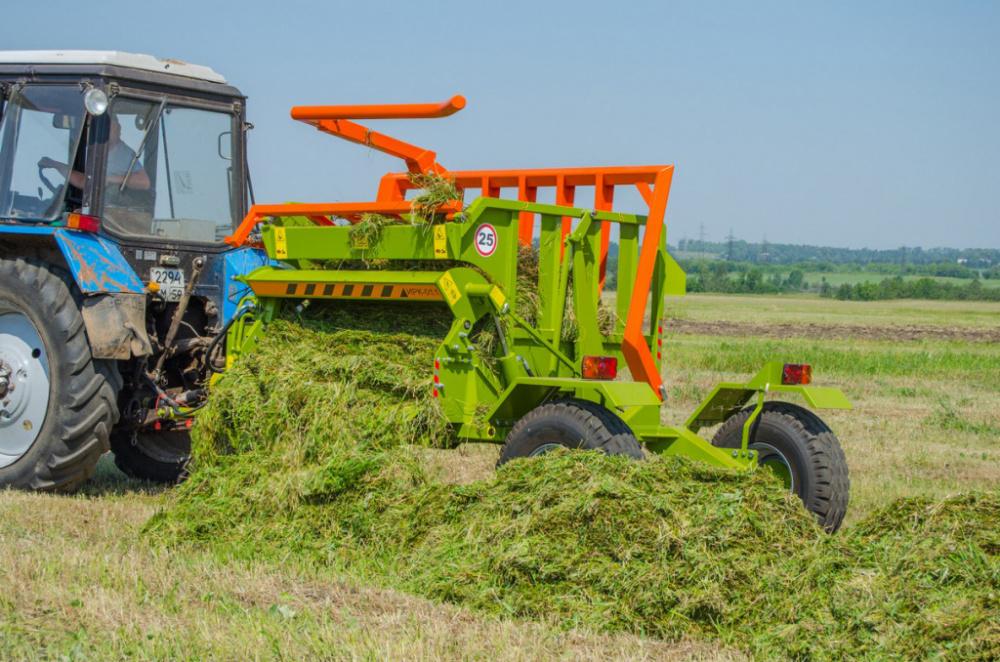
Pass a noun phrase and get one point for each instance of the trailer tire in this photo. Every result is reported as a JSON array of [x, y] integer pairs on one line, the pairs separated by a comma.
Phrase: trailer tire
[[796, 438], [575, 424], [157, 457], [60, 377]]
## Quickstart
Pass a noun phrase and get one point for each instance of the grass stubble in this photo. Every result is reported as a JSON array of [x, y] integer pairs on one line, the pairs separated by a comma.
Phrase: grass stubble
[[321, 521]]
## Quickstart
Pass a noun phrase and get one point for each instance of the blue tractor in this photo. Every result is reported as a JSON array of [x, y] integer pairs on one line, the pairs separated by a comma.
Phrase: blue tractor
[[120, 176]]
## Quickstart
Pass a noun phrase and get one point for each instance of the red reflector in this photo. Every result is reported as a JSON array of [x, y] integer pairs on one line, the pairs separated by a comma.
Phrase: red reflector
[[600, 367], [83, 222], [796, 373], [435, 393], [437, 364], [437, 380]]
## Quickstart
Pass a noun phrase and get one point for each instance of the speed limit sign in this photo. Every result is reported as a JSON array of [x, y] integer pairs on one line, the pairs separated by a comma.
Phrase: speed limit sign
[[486, 239]]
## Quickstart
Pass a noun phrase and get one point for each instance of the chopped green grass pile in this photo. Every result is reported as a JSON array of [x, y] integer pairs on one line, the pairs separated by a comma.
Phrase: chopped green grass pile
[[306, 452]]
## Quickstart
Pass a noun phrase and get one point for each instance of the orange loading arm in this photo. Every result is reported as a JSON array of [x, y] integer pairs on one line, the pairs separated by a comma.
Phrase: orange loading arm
[[652, 182]]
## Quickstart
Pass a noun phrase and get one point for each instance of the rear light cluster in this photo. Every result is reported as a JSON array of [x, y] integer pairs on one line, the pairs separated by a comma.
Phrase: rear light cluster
[[437, 377], [600, 367], [83, 222], [796, 373], [659, 341]]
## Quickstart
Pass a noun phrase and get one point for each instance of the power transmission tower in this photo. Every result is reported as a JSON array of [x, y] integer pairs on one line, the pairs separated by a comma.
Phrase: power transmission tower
[[701, 236], [730, 240]]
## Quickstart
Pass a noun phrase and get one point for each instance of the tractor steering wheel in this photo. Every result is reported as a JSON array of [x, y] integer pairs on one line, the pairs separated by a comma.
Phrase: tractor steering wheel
[[45, 180]]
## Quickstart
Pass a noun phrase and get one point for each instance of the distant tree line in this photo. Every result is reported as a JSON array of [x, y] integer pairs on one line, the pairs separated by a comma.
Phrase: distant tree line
[[741, 278], [710, 273], [922, 288], [742, 251]]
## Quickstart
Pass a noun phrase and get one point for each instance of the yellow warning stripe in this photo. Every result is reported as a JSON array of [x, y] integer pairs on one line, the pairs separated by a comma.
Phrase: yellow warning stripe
[[300, 290]]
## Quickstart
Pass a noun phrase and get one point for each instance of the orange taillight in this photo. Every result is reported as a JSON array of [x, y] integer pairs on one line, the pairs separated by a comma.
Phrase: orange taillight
[[796, 373], [599, 367], [83, 222]]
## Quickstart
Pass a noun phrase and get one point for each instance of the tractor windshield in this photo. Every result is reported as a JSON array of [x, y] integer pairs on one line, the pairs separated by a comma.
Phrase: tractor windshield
[[39, 135], [169, 171]]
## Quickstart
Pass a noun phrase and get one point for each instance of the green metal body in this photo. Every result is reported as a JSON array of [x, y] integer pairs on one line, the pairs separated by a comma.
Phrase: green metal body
[[483, 396]]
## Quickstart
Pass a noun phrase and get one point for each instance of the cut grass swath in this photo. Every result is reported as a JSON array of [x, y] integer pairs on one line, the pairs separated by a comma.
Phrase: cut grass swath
[[305, 450]]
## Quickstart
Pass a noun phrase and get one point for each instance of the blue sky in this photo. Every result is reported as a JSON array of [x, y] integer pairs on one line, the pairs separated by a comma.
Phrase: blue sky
[[842, 123]]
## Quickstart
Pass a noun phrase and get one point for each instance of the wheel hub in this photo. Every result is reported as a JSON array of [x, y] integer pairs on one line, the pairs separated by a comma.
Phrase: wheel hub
[[5, 374], [24, 385]]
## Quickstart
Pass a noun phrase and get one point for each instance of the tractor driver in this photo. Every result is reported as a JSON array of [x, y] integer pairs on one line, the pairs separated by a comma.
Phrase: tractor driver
[[120, 158]]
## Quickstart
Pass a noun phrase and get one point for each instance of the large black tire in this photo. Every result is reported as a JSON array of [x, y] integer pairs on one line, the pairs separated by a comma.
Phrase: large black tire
[[795, 440], [158, 457], [82, 391], [576, 424]]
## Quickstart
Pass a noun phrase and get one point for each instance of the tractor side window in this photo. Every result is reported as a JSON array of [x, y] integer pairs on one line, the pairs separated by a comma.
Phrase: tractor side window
[[169, 172], [41, 130]]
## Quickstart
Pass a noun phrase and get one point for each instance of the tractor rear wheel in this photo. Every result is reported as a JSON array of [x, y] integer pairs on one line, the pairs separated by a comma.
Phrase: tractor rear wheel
[[799, 447], [159, 457], [576, 424], [57, 403]]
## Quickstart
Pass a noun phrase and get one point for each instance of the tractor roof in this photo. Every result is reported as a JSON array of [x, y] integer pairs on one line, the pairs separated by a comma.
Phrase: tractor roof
[[113, 58]]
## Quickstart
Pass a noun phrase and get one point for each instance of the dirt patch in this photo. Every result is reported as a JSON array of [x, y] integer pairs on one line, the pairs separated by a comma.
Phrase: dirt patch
[[831, 331]]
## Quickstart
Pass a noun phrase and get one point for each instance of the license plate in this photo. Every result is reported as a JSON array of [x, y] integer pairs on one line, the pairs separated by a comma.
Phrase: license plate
[[171, 282]]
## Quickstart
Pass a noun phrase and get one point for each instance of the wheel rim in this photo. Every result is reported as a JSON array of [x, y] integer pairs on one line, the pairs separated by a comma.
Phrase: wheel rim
[[771, 458], [545, 448], [24, 385]]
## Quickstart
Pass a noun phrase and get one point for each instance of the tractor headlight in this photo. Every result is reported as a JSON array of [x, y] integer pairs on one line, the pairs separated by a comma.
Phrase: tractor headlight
[[95, 101]]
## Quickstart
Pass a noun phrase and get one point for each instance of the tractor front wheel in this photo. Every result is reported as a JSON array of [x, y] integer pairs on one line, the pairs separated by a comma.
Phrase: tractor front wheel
[[800, 448], [159, 457], [576, 424]]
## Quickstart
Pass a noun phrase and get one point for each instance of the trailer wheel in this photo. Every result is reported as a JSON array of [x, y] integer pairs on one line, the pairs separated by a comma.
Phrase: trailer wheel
[[158, 457], [799, 447], [57, 403], [576, 424]]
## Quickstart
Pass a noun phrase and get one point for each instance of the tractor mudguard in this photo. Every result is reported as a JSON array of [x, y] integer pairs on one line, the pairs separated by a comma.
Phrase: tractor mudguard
[[116, 325], [114, 305], [728, 398], [96, 264]]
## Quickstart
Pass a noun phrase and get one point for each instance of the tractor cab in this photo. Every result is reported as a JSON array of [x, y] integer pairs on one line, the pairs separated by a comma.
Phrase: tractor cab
[[146, 151], [121, 175]]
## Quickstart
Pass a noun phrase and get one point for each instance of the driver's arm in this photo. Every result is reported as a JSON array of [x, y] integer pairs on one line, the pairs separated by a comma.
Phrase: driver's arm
[[137, 181], [75, 177]]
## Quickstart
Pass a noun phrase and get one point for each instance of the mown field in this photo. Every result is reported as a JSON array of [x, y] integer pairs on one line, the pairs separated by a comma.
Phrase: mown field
[[79, 582]]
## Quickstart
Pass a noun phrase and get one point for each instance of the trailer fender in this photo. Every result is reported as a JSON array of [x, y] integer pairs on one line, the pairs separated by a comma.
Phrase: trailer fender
[[627, 400], [729, 398]]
